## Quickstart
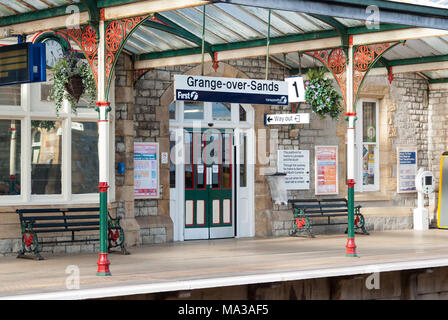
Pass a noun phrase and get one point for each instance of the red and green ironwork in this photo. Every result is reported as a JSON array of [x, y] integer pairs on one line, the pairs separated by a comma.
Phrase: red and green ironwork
[[301, 223]]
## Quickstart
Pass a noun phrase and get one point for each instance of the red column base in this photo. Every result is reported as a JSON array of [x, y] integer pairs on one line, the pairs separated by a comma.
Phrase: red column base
[[103, 265], [351, 248]]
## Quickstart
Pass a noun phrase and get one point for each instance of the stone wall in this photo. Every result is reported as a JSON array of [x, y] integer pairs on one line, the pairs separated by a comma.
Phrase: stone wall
[[403, 121]]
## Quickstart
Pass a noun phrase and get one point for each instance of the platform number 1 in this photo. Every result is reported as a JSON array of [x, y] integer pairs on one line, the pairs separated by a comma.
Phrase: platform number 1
[[296, 89]]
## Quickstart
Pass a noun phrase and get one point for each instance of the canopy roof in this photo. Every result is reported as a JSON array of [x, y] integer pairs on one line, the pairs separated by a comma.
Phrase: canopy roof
[[231, 26]]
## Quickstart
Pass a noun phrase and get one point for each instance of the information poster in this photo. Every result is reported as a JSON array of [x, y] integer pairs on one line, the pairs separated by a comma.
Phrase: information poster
[[296, 165], [407, 169], [146, 170], [326, 166]]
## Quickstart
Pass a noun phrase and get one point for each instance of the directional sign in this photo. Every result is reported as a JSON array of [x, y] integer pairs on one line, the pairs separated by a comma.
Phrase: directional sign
[[290, 118], [296, 89]]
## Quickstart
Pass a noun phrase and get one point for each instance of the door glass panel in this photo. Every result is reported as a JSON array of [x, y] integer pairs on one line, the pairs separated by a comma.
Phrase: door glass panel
[[172, 165], [243, 169], [227, 156], [368, 165], [369, 121], [221, 111], [193, 110], [213, 157], [189, 183], [200, 166]]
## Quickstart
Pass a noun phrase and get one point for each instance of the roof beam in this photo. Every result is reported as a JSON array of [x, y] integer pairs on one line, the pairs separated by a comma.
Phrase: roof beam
[[390, 12], [146, 7], [113, 9], [340, 28]]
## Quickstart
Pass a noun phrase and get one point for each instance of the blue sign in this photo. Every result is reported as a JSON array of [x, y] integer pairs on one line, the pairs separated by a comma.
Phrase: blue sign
[[22, 63], [407, 157], [233, 90]]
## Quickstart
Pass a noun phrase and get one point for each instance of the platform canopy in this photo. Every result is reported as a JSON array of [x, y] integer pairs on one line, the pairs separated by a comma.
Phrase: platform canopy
[[236, 29]]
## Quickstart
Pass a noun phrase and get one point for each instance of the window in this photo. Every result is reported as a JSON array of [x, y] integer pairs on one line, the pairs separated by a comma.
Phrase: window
[[172, 110], [10, 95], [367, 146], [84, 168], [221, 111], [243, 114], [193, 110], [10, 141], [46, 157]]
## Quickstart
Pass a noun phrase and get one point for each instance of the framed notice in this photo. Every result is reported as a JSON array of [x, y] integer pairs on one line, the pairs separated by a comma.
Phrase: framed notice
[[406, 169], [326, 170], [146, 170], [296, 165]]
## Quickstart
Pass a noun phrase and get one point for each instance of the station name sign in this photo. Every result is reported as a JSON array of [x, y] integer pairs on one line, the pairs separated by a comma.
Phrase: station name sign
[[233, 90], [22, 63]]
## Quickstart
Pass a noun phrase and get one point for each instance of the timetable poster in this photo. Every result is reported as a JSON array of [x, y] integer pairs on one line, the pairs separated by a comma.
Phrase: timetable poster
[[146, 170], [326, 166], [407, 169]]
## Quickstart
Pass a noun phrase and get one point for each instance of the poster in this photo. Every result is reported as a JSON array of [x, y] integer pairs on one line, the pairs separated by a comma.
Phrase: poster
[[407, 169], [146, 170], [326, 166], [296, 165]]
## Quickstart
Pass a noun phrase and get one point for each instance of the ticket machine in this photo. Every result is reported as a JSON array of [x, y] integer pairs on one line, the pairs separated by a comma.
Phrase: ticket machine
[[442, 211], [424, 183]]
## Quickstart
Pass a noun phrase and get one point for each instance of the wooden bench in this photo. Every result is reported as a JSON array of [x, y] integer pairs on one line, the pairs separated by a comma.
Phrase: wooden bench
[[320, 212], [49, 221]]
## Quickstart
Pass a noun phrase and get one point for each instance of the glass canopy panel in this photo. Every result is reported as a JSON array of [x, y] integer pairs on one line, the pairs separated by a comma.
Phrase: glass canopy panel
[[241, 13], [437, 43], [245, 31], [195, 16], [192, 27], [151, 40], [278, 24]]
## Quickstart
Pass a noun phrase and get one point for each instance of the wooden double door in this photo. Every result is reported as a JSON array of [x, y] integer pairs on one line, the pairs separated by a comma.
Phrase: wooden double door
[[209, 212]]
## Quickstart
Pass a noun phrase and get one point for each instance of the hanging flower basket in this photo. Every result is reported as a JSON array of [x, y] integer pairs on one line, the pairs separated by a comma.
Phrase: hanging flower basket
[[75, 87], [72, 78], [323, 98]]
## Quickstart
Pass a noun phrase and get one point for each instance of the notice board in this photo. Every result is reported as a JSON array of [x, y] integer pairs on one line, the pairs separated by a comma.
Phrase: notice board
[[146, 170], [296, 165], [326, 170], [406, 169]]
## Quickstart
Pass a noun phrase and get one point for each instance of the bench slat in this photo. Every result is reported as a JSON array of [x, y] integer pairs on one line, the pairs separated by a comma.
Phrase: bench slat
[[65, 230], [32, 219], [68, 224]]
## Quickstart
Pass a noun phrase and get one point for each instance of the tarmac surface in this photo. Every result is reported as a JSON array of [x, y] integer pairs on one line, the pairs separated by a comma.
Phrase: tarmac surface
[[216, 263]]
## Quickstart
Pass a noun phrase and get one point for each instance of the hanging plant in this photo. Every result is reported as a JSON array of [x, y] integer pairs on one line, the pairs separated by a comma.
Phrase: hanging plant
[[323, 98], [72, 78]]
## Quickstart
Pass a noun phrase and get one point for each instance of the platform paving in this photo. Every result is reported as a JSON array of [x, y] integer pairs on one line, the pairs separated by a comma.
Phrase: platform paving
[[206, 264]]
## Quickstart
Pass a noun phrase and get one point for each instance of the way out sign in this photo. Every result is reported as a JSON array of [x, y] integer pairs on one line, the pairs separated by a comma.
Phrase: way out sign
[[290, 118], [296, 89]]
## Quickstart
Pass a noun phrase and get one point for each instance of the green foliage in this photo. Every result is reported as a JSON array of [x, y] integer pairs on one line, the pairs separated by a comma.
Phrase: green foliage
[[43, 124], [323, 98], [66, 67]]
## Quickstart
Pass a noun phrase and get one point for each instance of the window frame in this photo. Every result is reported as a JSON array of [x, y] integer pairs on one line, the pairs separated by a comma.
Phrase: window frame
[[359, 143], [32, 108]]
